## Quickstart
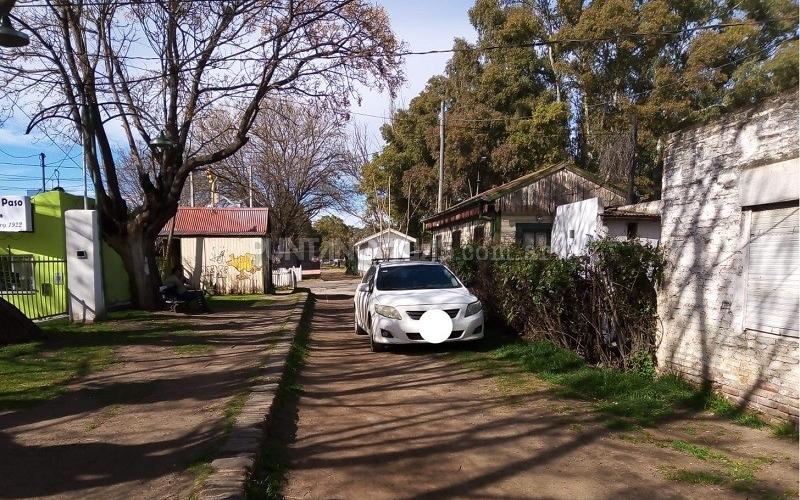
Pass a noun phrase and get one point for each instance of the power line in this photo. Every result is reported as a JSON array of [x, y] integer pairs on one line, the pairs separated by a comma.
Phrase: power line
[[44, 131], [477, 48], [23, 157], [125, 3]]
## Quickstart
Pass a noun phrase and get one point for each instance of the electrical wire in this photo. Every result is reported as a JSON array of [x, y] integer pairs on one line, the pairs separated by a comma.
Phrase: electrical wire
[[24, 157]]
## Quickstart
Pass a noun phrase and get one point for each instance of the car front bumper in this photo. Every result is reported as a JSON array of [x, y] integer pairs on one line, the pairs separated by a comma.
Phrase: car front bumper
[[406, 331]]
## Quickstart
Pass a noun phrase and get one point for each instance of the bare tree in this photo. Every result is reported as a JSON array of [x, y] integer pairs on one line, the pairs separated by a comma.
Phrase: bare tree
[[298, 158], [374, 188], [140, 67]]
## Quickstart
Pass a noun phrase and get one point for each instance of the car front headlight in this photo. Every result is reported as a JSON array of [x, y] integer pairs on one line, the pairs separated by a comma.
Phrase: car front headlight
[[473, 308], [387, 311]]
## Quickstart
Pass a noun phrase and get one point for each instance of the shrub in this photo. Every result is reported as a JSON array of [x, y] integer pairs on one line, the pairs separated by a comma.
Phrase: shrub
[[601, 306]]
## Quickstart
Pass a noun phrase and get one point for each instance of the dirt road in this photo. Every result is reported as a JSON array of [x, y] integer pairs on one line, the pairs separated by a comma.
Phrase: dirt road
[[413, 424], [135, 429]]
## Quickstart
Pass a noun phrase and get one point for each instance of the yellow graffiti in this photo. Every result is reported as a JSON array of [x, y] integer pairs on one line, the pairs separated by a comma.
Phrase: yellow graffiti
[[245, 264]]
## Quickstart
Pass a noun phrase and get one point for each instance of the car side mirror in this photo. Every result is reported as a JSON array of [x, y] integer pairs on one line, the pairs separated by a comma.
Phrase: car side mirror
[[363, 287]]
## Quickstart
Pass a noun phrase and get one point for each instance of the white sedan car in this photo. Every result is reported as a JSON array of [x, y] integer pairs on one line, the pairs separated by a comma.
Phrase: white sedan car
[[394, 295]]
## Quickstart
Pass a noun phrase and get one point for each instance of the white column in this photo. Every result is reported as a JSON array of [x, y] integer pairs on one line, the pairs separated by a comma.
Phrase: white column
[[84, 266]]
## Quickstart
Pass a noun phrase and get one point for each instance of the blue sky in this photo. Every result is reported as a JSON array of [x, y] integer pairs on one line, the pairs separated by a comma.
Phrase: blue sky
[[422, 24]]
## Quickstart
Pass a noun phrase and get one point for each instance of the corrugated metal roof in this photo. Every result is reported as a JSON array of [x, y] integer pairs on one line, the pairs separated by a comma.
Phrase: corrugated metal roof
[[204, 221]]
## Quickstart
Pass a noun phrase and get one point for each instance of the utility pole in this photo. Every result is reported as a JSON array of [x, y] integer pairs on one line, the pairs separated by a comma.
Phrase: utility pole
[[41, 160], [390, 202], [250, 183], [408, 210], [84, 133], [191, 189], [441, 157]]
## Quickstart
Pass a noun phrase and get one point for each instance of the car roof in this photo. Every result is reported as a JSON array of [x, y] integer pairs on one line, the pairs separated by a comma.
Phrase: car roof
[[397, 263]]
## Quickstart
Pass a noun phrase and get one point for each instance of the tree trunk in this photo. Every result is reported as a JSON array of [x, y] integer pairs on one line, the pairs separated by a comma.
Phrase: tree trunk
[[16, 327], [139, 256]]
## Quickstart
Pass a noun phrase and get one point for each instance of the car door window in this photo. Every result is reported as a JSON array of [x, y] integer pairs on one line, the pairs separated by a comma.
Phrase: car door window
[[368, 276]]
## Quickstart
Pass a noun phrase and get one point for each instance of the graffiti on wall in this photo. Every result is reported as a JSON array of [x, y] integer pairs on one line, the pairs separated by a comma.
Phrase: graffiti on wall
[[245, 264]]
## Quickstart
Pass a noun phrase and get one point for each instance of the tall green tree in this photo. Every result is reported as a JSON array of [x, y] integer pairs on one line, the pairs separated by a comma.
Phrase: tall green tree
[[547, 80]]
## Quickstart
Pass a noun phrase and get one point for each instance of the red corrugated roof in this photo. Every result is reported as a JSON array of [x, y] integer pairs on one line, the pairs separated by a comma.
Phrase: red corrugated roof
[[204, 221]]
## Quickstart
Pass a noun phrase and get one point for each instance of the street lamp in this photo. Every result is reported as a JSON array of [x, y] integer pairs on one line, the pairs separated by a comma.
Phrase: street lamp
[[161, 141], [9, 37]]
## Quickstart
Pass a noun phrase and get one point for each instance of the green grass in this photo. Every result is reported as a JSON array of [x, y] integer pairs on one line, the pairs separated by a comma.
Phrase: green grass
[[694, 477], [738, 475], [36, 371], [785, 430], [268, 478], [234, 408], [249, 301], [200, 470], [193, 349], [626, 399], [700, 452]]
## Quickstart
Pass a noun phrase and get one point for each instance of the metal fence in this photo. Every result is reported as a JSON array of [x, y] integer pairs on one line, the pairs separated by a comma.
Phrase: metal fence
[[34, 284]]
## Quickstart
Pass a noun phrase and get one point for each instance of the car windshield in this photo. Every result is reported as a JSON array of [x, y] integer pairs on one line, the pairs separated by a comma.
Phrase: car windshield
[[415, 277]]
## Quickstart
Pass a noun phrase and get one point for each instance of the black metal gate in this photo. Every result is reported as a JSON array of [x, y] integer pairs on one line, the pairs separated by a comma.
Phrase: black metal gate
[[35, 284]]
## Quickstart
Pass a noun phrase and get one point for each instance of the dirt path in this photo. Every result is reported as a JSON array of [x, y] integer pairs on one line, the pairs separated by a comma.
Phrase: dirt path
[[132, 430], [412, 424]]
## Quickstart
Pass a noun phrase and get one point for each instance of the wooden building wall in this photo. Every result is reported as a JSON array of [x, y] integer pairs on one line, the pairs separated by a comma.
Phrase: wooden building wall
[[559, 188]]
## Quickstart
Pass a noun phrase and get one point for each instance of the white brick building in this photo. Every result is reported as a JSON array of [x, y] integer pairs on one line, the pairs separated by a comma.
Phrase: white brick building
[[729, 303]]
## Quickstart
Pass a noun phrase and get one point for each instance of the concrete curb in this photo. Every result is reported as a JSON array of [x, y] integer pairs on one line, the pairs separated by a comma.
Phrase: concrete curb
[[237, 455]]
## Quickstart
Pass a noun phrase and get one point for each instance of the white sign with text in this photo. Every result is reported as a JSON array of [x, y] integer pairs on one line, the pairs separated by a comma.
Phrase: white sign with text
[[15, 214]]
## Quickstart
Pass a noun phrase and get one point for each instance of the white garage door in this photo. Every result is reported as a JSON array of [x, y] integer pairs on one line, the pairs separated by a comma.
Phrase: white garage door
[[773, 279]]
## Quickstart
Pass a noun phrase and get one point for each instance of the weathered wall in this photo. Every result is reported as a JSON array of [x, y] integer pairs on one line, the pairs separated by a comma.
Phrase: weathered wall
[[467, 231], [575, 225], [649, 231], [225, 265], [559, 188], [48, 239], [705, 232], [508, 225]]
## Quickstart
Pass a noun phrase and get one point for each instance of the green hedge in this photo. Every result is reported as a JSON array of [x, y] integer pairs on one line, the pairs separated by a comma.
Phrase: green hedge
[[601, 306]]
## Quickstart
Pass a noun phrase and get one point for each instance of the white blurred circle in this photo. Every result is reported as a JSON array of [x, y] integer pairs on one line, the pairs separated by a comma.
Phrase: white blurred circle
[[435, 326]]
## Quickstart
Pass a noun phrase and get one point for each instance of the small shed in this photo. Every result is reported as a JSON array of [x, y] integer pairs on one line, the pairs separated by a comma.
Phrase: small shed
[[387, 244], [223, 250], [577, 224], [641, 221]]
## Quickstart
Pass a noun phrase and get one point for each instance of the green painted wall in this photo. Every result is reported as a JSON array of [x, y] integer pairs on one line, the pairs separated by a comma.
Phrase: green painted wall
[[48, 239]]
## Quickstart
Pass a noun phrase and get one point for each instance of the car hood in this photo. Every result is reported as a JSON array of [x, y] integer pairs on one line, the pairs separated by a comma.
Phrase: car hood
[[425, 297]]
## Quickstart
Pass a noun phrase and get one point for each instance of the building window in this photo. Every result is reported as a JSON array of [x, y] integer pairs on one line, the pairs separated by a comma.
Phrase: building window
[[572, 234], [478, 235], [455, 239], [437, 248], [633, 230], [773, 273], [16, 273], [533, 235]]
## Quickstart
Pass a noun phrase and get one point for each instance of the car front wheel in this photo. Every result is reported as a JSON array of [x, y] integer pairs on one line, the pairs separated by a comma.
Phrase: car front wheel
[[374, 346], [357, 329]]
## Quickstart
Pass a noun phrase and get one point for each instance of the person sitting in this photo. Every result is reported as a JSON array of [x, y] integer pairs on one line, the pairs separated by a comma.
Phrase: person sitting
[[177, 282]]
